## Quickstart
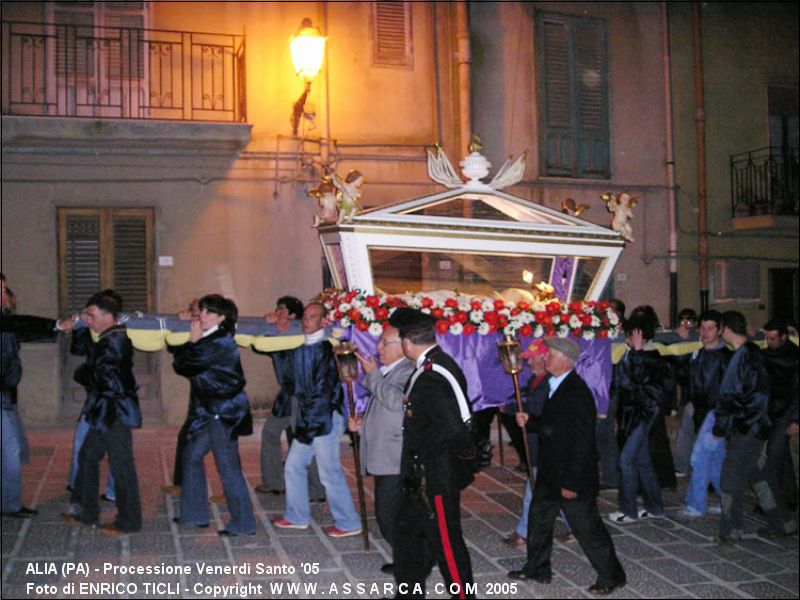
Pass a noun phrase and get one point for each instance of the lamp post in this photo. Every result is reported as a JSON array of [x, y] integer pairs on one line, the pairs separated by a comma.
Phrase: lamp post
[[347, 364], [307, 47], [511, 357]]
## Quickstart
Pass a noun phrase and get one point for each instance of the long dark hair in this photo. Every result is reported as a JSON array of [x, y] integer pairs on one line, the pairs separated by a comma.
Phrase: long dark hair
[[224, 307]]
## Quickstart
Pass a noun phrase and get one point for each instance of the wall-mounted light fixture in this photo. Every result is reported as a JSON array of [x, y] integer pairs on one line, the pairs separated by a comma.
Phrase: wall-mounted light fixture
[[308, 49]]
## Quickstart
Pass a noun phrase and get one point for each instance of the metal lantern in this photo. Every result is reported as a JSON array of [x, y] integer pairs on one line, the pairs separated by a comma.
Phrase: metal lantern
[[510, 355], [346, 361]]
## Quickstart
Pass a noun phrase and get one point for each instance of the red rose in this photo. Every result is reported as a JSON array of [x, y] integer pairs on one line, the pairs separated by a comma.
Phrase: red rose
[[381, 313], [502, 321], [461, 316], [354, 315], [442, 326], [437, 313], [545, 320], [362, 326], [373, 301], [490, 317], [602, 334], [515, 311], [586, 319], [338, 315], [427, 302], [475, 304], [526, 330], [577, 332], [550, 333], [523, 305], [451, 303], [499, 304], [469, 329], [553, 308]]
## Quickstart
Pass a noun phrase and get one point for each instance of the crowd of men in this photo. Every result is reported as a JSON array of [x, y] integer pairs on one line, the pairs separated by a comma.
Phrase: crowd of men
[[420, 439]]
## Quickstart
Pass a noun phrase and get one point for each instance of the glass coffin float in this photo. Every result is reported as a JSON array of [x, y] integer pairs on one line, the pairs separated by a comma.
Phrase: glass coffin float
[[485, 243]]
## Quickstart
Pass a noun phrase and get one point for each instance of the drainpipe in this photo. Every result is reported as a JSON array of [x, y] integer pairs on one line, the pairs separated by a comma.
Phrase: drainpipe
[[700, 134], [670, 163], [464, 66]]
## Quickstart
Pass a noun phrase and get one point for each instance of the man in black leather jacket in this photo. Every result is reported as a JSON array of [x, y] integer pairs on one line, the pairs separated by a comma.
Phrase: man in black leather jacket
[[742, 418]]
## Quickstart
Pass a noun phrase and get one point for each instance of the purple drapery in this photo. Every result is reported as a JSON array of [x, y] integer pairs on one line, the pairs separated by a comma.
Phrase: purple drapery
[[562, 275], [487, 382]]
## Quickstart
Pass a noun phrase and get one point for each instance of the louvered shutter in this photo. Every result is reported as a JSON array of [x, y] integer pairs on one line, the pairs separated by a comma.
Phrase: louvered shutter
[[592, 93], [558, 130], [573, 79], [391, 34], [81, 255], [131, 261], [126, 49], [74, 41]]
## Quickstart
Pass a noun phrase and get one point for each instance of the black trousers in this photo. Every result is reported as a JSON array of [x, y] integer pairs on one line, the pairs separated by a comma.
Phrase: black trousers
[[428, 530], [585, 522], [388, 495], [118, 444]]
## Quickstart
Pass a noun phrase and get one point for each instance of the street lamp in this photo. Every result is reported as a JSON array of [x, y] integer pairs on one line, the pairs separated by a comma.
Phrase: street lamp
[[308, 49]]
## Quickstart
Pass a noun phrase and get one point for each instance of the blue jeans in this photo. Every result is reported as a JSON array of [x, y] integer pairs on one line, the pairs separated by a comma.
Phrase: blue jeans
[[15, 452], [708, 455], [326, 450], [81, 429], [637, 473], [194, 490]]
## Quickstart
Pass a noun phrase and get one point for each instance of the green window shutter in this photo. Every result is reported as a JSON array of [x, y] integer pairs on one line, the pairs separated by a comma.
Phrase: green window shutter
[[573, 96]]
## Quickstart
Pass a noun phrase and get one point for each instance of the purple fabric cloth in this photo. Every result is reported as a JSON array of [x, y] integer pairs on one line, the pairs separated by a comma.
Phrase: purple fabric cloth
[[562, 270], [487, 382]]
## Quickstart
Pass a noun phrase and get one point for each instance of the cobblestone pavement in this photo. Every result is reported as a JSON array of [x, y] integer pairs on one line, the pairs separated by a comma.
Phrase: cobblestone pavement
[[662, 558]]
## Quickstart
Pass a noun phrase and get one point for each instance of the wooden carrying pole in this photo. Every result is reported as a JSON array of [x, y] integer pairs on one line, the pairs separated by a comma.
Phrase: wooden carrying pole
[[362, 503], [520, 408]]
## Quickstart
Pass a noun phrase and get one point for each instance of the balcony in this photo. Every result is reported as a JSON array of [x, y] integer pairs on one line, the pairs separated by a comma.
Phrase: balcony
[[62, 70], [764, 186]]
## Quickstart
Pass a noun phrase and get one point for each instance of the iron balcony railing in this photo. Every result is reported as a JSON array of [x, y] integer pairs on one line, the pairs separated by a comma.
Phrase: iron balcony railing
[[765, 182], [56, 69]]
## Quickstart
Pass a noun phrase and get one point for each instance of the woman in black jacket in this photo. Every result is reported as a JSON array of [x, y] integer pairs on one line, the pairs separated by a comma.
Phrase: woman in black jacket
[[641, 383], [219, 413]]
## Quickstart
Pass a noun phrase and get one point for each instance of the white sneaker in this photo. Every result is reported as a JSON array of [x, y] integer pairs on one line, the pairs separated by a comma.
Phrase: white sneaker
[[644, 514], [620, 518], [714, 509], [688, 513]]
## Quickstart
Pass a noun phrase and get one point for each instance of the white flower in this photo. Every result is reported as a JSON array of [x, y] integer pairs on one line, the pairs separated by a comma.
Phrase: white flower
[[596, 322], [563, 331], [538, 331], [345, 322], [456, 329], [368, 313], [426, 310], [476, 316], [509, 330], [487, 305], [345, 307], [376, 329], [463, 305], [574, 321], [588, 335], [483, 328], [613, 318]]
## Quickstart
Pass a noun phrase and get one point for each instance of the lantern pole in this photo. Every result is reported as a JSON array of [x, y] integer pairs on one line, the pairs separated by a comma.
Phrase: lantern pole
[[511, 358]]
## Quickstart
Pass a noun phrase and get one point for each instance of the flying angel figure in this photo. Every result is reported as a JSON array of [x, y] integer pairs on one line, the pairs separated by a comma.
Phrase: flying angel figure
[[622, 207], [440, 169], [569, 207], [349, 193]]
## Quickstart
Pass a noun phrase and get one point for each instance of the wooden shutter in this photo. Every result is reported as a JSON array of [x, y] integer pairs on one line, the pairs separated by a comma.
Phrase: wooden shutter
[[391, 34], [126, 48], [573, 96], [132, 259], [106, 248], [80, 243], [74, 41]]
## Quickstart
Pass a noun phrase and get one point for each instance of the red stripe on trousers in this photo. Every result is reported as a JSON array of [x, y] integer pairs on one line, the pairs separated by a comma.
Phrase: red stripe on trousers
[[448, 548]]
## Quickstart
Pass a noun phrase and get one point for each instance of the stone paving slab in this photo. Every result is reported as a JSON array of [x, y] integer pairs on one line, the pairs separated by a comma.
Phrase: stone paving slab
[[663, 558]]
